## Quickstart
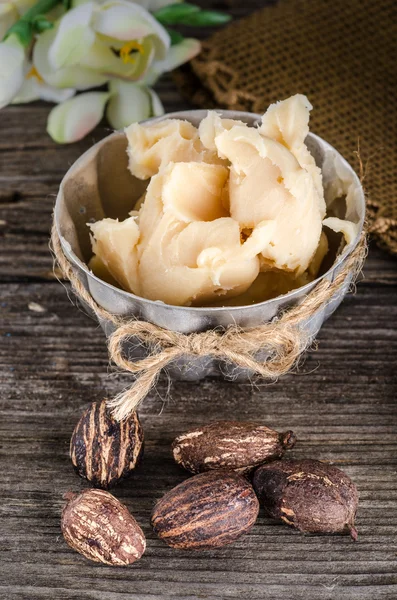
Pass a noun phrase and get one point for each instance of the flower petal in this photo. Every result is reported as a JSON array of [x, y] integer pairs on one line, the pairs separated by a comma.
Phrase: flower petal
[[127, 21], [32, 89], [12, 69], [28, 92], [122, 22], [144, 3], [73, 38], [128, 104], [157, 105], [51, 94], [144, 60], [150, 77], [177, 55], [78, 77], [102, 58], [73, 119]]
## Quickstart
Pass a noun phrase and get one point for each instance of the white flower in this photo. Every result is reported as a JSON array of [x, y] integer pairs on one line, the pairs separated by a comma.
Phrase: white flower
[[177, 55], [131, 102], [76, 76], [70, 121], [126, 21], [109, 38], [74, 37], [73, 119], [12, 69], [35, 88], [93, 43]]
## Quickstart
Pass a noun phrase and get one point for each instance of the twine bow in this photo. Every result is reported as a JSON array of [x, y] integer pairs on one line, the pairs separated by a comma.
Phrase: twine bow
[[269, 350]]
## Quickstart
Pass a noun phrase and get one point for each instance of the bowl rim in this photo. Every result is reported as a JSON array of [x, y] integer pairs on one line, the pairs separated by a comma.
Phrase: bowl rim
[[292, 295]]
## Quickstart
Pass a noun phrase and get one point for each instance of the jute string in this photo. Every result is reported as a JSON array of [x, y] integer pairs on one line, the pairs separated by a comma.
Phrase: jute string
[[283, 339]]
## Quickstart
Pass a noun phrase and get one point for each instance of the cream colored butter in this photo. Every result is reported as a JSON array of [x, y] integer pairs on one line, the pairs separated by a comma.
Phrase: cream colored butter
[[268, 183], [195, 262], [195, 191], [98, 267], [348, 228], [212, 126], [270, 284], [184, 259], [232, 214], [115, 244], [152, 147], [287, 122]]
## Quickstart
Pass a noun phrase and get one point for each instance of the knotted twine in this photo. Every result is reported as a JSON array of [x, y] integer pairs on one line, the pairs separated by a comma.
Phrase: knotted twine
[[283, 339]]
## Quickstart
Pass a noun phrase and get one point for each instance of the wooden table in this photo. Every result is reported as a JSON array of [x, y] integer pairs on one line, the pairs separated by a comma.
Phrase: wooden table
[[342, 405]]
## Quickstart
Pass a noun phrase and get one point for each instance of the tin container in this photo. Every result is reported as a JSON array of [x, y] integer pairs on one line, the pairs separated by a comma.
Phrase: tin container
[[99, 184]]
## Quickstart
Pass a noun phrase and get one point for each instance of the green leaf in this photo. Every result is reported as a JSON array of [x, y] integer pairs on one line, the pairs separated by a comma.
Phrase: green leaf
[[23, 30], [25, 27], [41, 23], [67, 4], [176, 37], [175, 13], [205, 18]]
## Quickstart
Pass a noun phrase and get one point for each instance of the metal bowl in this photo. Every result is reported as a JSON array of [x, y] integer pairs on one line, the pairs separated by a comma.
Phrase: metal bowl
[[99, 184]]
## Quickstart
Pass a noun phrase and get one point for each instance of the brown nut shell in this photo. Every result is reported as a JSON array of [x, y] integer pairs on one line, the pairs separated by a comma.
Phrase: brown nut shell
[[98, 526], [104, 450], [230, 445], [310, 495], [206, 511]]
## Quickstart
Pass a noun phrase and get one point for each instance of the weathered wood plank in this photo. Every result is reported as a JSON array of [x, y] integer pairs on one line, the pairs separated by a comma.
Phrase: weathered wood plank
[[53, 363]]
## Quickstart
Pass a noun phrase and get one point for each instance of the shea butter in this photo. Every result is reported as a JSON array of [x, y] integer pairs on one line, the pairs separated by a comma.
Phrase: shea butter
[[232, 214]]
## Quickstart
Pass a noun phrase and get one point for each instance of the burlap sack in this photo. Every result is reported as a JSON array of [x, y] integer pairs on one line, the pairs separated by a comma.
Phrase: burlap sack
[[342, 55]]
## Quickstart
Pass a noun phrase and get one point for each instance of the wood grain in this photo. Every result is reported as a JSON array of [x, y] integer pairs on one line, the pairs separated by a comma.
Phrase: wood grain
[[341, 405]]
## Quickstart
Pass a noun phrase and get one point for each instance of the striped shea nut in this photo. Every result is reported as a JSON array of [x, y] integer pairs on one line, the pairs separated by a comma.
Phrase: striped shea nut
[[208, 510], [98, 526], [104, 450], [231, 445]]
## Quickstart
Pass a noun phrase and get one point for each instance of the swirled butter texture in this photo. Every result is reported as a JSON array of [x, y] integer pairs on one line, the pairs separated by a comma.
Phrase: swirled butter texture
[[232, 214]]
